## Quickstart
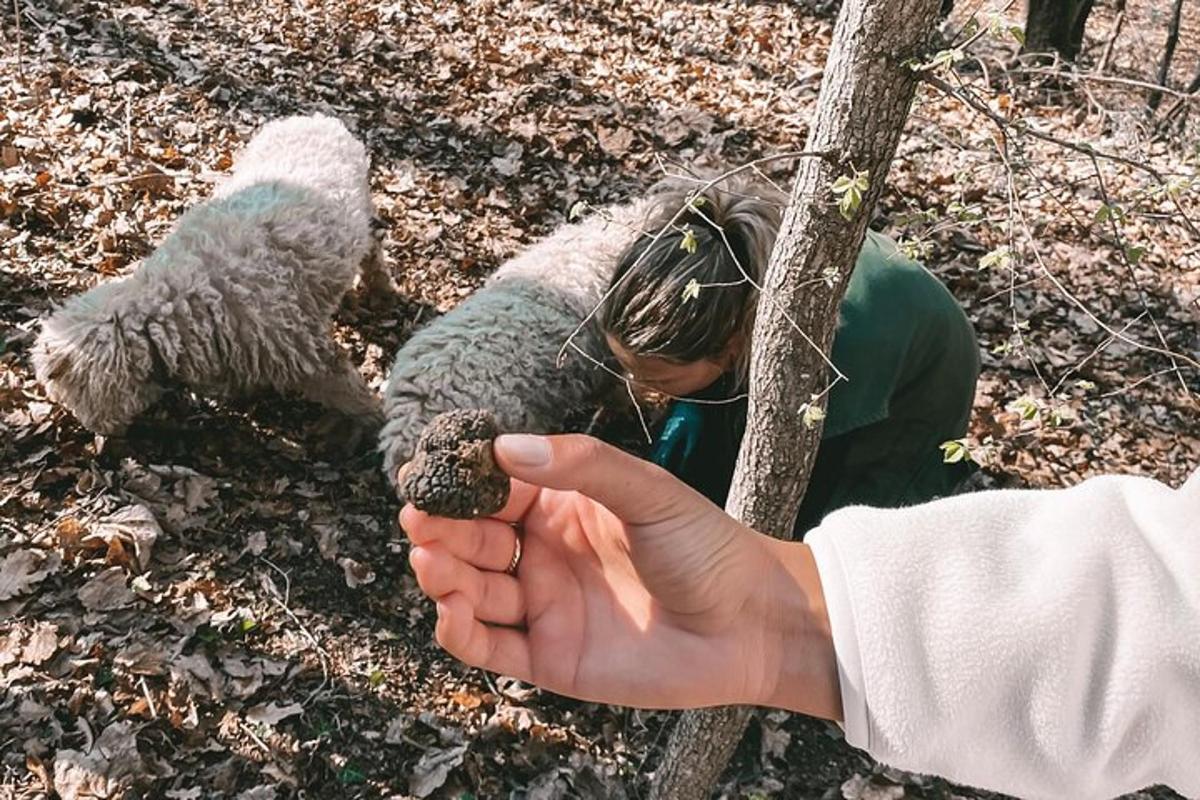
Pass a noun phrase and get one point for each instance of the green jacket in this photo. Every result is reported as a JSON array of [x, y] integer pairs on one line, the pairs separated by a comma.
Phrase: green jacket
[[911, 362]]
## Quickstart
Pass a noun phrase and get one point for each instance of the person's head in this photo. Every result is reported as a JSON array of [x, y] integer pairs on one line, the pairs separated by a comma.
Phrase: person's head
[[682, 300]]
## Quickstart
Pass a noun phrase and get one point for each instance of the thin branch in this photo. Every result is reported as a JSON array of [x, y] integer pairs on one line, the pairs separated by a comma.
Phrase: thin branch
[[1124, 254], [1112, 40], [1020, 126], [1111, 80], [1134, 385], [1013, 208], [283, 604], [1100, 348]]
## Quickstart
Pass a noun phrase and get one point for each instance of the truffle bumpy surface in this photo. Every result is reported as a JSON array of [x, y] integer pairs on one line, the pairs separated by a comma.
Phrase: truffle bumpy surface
[[453, 473]]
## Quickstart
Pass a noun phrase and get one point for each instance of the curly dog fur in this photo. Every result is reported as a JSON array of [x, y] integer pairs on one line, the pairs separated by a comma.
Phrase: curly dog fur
[[498, 349], [239, 297]]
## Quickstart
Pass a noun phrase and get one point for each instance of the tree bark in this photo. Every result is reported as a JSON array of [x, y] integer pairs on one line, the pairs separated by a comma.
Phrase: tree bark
[[1164, 65], [1056, 26], [865, 96]]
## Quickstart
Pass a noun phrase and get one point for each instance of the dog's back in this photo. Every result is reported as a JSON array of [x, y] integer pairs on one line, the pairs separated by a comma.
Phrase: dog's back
[[498, 349], [316, 152]]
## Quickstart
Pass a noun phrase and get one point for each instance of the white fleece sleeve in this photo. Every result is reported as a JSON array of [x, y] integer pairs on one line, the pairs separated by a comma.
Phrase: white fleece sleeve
[[1040, 643]]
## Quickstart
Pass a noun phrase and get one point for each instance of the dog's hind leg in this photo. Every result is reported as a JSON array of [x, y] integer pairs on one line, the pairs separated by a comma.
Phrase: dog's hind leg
[[357, 413], [375, 284]]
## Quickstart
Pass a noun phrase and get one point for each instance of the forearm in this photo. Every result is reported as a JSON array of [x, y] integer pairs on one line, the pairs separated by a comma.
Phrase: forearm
[[1044, 644]]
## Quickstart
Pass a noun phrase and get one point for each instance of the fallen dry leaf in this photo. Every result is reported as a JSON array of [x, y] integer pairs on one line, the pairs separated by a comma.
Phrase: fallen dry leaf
[[356, 574], [272, 713], [107, 591], [434, 767], [42, 644], [134, 525], [23, 569]]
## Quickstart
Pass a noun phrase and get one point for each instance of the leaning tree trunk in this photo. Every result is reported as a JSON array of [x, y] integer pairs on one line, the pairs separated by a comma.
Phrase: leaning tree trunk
[[865, 96], [1056, 26]]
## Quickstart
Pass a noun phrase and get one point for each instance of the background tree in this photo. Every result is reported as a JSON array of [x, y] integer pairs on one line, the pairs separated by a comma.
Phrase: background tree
[[1056, 26], [866, 92]]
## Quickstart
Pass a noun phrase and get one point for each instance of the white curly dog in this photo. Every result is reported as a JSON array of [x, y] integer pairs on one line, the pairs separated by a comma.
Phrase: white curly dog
[[240, 296], [498, 349]]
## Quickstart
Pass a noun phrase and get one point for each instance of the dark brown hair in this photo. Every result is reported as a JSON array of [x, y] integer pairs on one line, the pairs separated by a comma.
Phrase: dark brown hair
[[721, 242]]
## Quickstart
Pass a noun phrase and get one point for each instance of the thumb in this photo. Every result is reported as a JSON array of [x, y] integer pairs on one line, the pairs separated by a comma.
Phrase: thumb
[[635, 490]]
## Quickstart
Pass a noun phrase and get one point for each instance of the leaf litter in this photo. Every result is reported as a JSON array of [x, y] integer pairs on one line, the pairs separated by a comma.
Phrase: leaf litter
[[208, 611]]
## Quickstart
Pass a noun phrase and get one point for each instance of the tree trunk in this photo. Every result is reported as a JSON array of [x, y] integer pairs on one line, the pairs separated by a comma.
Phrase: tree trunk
[[1056, 26], [1164, 66], [864, 101]]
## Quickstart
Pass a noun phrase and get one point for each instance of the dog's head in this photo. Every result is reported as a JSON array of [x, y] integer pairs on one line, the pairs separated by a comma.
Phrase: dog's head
[[96, 364]]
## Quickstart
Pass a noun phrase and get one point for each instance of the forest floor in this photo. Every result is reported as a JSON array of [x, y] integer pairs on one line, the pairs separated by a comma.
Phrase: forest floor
[[211, 611]]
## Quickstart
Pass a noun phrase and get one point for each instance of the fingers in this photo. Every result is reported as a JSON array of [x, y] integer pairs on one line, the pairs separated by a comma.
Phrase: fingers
[[495, 597], [484, 543], [463, 636], [635, 490]]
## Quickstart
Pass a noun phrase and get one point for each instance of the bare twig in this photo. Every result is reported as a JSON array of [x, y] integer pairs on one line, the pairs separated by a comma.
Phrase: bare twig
[[1100, 348], [1135, 384], [1124, 255], [1164, 65], [283, 605], [254, 737], [149, 699], [1022, 127], [1112, 40], [1062, 289], [1192, 93], [1111, 80], [1013, 208]]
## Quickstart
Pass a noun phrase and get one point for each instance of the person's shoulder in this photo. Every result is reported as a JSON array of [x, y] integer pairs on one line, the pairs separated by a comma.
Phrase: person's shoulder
[[883, 274]]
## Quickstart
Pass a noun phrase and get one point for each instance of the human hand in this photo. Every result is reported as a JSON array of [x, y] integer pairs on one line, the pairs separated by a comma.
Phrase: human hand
[[632, 588]]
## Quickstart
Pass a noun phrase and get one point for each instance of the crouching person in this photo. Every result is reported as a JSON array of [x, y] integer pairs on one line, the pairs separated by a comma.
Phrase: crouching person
[[904, 344]]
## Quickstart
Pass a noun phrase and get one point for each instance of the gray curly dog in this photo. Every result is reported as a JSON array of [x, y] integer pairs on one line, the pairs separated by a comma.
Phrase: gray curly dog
[[239, 297]]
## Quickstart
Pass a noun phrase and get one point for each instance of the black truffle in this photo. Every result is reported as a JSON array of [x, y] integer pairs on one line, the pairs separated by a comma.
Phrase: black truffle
[[452, 473]]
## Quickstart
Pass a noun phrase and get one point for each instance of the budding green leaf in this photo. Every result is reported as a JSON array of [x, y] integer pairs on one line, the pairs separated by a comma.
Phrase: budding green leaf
[[1134, 253], [1109, 211], [811, 414], [1018, 33], [697, 202], [915, 249], [688, 242], [376, 678], [1027, 407], [577, 210], [1086, 386], [850, 189], [691, 291], [1000, 257], [955, 450]]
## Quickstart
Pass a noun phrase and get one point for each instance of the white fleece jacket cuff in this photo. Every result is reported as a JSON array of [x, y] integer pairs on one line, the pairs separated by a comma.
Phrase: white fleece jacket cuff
[[839, 606]]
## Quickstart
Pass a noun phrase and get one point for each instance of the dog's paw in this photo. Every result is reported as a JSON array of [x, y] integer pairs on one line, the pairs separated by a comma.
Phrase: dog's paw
[[344, 436]]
